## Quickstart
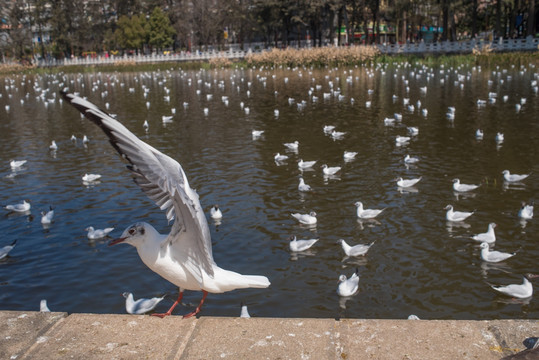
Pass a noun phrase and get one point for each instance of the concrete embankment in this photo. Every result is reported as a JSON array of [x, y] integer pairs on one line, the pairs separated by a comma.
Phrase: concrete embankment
[[35, 335]]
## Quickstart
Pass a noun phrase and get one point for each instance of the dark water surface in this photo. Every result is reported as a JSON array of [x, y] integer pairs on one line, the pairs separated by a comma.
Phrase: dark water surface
[[419, 263]]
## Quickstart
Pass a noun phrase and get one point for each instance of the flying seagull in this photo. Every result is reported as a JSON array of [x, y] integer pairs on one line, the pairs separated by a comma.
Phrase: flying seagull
[[183, 257]]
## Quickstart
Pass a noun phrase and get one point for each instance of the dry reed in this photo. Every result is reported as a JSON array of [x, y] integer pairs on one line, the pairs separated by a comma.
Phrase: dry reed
[[320, 56]]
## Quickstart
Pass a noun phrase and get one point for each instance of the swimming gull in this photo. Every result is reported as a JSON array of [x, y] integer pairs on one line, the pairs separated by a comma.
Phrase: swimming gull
[[520, 291], [488, 237], [301, 245], [366, 213], [307, 219], [493, 256], [350, 286]]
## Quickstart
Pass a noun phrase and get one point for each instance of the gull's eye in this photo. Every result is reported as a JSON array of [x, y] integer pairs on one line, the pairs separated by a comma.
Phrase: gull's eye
[[142, 231], [131, 231]]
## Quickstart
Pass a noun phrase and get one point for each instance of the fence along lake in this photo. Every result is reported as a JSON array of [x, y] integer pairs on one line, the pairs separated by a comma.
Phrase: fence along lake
[[419, 263]]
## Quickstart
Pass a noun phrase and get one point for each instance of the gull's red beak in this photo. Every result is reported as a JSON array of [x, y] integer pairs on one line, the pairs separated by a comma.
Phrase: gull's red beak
[[116, 241]]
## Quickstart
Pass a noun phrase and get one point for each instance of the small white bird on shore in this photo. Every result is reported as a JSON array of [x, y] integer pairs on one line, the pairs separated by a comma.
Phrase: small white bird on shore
[[330, 170], [366, 213], [520, 291], [43, 306], [302, 186], [513, 177], [489, 237], [244, 311], [405, 183], [526, 211], [94, 234], [456, 216], [356, 250], [6, 249], [216, 213], [307, 219], [493, 256], [350, 286], [20, 208], [296, 245], [457, 186], [140, 306]]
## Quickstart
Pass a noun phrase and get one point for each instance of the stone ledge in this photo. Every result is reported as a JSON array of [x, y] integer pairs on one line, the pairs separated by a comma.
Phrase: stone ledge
[[34, 335]]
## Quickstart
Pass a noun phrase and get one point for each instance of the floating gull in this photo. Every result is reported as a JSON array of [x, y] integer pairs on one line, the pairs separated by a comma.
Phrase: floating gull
[[520, 291], [526, 211], [15, 164], [20, 208], [53, 146], [293, 145], [489, 236], [305, 164], [513, 177], [366, 213], [457, 186], [350, 286], [307, 219], [257, 133], [401, 140], [456, 215], [349, 155], [6, 249], [94, 234], [141, 306], [302, 186], [404, 183], [183, 257], [479, 134], [216, 213], [85, 139], [410, 160], [356, 250], [279, 157], [328, 129], [91, 177], [301, 245], [330, 170], [493, 256], [499, 137], [46, 217]]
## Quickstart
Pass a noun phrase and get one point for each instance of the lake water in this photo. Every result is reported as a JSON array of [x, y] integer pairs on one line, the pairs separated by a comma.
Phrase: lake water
[[419, 264]]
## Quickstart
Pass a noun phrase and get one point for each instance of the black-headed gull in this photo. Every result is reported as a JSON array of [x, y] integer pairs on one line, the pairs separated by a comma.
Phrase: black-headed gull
[[405, 183], [457, 186], [293, 145], [410, 160], [356, 250], [20, 208], [520, 291], [16, 164], [305, 164], [349, 155], [53, 146], [456, 215], [278, 157], [488, 237], [366, 213], [88, 178], [43, 306], [94, 234], [330, 170], [46, 217], [216, 213], [6, 249], [526, 211], [307, 219], [302, 186], [300, 245], [493, 256], [350, 286], [513, 177], [140, 306], [183, 257]]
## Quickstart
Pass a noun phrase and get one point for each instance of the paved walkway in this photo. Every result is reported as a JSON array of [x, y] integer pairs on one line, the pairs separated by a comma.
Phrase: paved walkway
[[34, 335]]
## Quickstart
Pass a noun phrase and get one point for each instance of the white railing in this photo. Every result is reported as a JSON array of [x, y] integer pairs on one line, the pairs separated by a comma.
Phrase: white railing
[[446, 47], [463, 47]]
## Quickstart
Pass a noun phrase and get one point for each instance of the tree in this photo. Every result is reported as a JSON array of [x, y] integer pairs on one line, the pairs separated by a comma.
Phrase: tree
[[131, 33], [160, 32]]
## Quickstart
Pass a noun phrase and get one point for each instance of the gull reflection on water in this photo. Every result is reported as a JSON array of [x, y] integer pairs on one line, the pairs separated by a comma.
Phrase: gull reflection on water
[[456, 225]]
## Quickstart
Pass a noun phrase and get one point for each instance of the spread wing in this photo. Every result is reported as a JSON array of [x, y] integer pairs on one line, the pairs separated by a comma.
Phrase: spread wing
[[163, 180]]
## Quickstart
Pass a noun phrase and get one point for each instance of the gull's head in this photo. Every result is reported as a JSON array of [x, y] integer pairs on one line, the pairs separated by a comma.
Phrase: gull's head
[[530, 276], [342, 278], [134, 235], [484, 245], [456, 181], [292, 238], [492, 225], [312, 213], [216, 207], [89, 228], [448, 207], [358, 204], [505, 172], [126, 294]]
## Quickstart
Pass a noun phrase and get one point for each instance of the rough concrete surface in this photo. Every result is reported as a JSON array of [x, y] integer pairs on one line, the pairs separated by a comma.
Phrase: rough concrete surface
[[33, 335]]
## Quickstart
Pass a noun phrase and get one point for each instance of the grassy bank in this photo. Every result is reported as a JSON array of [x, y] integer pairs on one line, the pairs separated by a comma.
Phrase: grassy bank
[[315, 57]]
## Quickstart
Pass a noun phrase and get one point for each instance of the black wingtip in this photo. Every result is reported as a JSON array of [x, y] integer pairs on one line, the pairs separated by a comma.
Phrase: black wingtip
[[14, 242]]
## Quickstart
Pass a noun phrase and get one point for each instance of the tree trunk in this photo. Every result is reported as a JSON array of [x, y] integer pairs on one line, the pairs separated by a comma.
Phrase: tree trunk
[[498, 28], [445, 19], [474, 18], [531, 18]]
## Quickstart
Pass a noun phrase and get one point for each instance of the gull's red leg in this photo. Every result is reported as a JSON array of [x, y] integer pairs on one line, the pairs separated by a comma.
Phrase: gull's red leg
[[180, 296], [197, 310]]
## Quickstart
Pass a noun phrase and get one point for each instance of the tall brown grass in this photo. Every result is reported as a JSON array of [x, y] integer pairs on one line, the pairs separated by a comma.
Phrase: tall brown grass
[[322, 56]]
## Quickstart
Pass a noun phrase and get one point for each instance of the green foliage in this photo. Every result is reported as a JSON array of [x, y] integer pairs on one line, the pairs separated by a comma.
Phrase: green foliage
[[160, 32], [131, 32]]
